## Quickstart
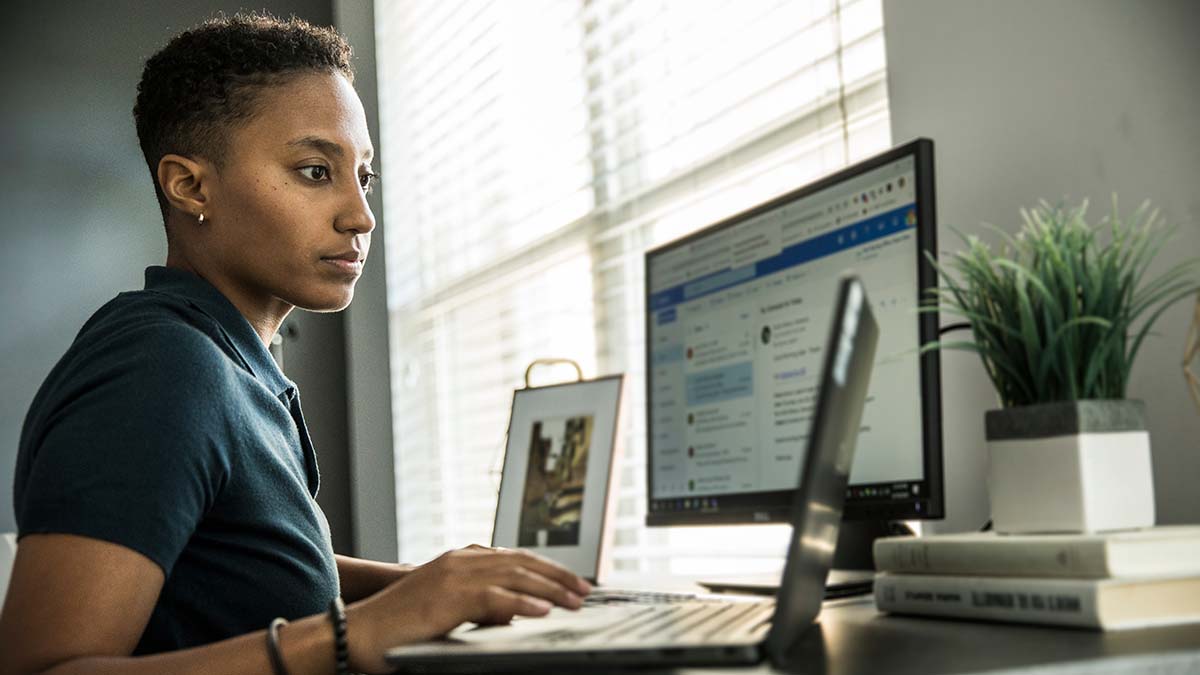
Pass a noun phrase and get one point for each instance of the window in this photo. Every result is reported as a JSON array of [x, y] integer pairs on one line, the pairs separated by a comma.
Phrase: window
[[533, 151]]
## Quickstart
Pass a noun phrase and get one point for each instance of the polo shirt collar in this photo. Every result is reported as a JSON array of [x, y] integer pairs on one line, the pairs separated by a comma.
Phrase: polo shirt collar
[[206, 298]]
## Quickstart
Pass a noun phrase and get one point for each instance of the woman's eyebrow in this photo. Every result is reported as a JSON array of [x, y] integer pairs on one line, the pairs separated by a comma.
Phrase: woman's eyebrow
[[326, 146]]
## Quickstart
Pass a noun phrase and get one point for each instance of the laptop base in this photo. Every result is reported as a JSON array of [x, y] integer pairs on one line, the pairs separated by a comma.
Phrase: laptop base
[[701, 632], [603, 660]]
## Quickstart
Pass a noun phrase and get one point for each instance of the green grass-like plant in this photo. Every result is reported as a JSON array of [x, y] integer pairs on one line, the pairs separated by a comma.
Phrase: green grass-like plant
[[1060, 312]]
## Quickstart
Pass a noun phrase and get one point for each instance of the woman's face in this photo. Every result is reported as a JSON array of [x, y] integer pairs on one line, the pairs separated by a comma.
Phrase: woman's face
[[288, 213]]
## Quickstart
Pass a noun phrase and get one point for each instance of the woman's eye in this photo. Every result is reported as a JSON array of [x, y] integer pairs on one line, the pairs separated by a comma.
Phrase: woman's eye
[[315, 172], [367, 180]]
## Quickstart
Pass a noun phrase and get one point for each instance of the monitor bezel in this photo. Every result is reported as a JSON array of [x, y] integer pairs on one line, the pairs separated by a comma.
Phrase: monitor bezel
[[775, 506]]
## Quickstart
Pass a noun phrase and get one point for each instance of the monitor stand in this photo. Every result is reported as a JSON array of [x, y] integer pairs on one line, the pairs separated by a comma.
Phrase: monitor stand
[[853, 563]]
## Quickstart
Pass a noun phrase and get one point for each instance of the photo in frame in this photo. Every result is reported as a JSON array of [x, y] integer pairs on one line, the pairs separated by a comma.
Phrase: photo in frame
[[558, 465]]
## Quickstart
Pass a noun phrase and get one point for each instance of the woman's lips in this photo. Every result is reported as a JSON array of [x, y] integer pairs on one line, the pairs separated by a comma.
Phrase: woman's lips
[[347, 265]]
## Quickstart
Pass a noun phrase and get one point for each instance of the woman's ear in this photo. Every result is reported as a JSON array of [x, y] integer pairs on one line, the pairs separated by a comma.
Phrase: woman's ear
[[184, 182]]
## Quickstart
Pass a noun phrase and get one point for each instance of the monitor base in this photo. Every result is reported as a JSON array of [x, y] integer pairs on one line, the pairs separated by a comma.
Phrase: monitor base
[[853, 563]]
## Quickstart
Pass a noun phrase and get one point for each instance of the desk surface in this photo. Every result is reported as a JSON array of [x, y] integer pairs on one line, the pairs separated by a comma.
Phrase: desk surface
[[852, 638]]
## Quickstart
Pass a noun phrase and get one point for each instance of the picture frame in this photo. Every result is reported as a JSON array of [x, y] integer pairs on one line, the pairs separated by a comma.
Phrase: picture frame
[[558, 465]]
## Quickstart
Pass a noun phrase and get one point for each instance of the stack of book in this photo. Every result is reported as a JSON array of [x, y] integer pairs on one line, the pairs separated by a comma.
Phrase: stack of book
[[1109, 581]]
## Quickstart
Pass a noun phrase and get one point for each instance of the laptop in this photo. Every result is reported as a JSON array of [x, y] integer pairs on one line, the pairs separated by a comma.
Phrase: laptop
[[707, 631]]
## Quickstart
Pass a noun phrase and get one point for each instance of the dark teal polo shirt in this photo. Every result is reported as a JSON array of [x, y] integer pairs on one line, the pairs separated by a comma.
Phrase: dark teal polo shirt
[[167, 428]]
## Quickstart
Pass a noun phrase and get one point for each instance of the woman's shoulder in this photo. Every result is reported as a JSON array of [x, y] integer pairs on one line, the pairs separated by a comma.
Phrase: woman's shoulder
[[150, 323], [142, 369], [144, 341]]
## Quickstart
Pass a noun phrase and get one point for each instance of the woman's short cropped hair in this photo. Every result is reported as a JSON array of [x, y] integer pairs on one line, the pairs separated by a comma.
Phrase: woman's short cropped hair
[[206, 80]]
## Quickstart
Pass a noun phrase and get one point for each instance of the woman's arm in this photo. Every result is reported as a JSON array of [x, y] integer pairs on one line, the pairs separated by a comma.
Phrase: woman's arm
[[78, 606], [306, 646], [360, 578]]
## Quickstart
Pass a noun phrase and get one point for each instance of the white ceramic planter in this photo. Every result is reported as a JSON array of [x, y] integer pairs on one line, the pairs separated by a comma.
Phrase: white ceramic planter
[[1074, 466]]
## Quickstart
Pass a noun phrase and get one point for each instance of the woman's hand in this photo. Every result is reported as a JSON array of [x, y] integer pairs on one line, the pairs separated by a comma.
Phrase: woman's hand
[[476, 584], [361, 578]]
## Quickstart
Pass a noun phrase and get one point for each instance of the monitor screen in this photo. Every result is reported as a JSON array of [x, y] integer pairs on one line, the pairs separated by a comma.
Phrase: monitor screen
[[736, 318]]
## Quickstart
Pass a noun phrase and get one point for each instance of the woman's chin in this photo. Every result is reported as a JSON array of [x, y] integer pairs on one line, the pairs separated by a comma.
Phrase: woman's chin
[[327, 301]]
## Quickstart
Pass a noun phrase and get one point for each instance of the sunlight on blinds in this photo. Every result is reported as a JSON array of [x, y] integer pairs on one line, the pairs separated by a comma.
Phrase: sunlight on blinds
[[449, 438], [534, 151]]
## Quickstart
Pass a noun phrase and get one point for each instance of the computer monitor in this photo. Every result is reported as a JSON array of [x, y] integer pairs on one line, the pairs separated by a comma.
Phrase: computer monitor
[[736, 317]]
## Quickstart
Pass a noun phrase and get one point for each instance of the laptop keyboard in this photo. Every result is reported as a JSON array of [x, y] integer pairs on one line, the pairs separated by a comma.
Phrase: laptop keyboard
[[684, 622], [693, 622]]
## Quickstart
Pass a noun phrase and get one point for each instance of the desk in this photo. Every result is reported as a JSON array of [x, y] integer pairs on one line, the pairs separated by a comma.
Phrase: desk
[[851, 638]]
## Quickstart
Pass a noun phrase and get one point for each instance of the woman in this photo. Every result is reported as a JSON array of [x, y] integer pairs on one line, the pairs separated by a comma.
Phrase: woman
[[165, 478]]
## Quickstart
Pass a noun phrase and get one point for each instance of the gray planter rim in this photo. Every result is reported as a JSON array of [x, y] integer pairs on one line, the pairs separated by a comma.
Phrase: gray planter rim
[[1063, 418]]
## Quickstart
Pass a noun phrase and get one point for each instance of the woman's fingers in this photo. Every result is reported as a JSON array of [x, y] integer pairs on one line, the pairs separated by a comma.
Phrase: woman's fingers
[[551, 570], [524, 580], [500, 605]]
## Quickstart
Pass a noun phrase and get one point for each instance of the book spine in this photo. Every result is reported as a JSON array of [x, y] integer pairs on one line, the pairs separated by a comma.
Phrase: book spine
[[1083, 560], [1013, 599]]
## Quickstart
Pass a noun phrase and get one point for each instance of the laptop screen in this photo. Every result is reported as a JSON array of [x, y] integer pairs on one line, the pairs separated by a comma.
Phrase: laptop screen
[[817, 511]]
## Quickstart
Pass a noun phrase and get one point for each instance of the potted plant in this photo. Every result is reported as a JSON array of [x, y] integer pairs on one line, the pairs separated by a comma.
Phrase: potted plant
[[1058, 316]]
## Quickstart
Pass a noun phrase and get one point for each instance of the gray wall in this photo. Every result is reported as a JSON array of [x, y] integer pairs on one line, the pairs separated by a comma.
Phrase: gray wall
[[78, 214], [1027, 99], [372, 473], [313, 356]]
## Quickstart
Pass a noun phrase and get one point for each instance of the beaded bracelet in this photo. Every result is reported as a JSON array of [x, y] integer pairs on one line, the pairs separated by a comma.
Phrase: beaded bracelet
[[337, 616], [273, 646]]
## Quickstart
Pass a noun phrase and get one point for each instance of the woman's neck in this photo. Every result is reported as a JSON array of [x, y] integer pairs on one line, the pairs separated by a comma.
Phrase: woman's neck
[[265, 315]]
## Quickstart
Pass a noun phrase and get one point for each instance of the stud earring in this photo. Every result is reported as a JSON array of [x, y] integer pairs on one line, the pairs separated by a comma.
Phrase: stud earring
[[201, 219]]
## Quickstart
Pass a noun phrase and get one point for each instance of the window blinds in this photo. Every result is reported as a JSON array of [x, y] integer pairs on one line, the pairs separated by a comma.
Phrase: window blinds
[[533, 150]]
